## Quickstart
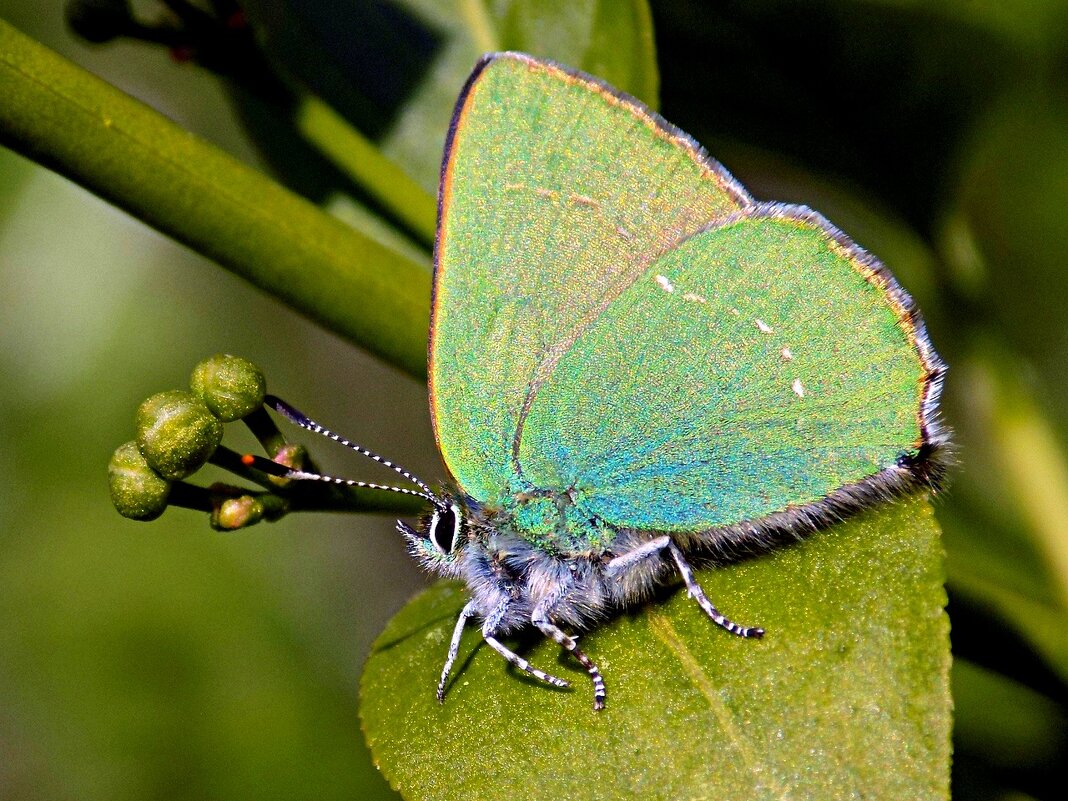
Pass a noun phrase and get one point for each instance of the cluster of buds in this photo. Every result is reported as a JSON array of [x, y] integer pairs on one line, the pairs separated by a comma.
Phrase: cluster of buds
[[180, 431]]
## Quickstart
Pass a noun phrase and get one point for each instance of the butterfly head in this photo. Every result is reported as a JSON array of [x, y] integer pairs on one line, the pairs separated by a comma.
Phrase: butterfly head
[[439, 539], [441, 536]]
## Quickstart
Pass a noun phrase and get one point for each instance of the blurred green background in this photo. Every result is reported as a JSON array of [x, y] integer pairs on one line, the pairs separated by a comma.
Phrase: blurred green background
[[169, 661]]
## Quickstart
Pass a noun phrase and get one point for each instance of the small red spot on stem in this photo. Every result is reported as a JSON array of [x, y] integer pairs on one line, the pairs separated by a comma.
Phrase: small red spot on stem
[[248, 460], [183, 54]]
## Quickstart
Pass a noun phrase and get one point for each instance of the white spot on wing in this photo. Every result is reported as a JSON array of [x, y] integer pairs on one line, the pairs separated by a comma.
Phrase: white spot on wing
[[764, 327], [798, 387], [787, 354], [694, 297], [665, 283]]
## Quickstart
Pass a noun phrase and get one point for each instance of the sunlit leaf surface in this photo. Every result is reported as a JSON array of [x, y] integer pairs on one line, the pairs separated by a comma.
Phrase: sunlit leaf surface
[[847, 695]]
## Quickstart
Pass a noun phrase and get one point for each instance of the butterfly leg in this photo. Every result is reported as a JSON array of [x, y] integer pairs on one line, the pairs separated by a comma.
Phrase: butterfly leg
[[655, 548], [521, 663], [695, 592], [621, 564], [489, 628], [540, 618], [454, 647]]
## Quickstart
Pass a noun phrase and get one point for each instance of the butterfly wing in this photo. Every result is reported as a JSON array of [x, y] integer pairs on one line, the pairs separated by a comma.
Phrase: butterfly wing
[[758, 367], [556, 193]]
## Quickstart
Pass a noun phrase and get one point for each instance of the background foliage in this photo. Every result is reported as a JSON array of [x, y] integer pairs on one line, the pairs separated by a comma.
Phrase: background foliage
[[167, 661]]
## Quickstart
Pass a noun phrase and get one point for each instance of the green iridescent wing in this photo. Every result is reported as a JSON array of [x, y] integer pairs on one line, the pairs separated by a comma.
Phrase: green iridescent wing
[[759, 367], [556, 194], [615, 320]]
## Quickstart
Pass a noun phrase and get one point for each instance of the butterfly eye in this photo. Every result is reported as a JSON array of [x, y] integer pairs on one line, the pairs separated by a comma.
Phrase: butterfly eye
[[444, 530]]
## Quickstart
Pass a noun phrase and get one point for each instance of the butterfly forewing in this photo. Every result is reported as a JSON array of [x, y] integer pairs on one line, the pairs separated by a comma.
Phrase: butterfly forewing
[[556, 194]]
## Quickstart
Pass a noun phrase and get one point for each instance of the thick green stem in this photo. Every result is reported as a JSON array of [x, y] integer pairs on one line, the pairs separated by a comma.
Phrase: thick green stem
[[87, 130]]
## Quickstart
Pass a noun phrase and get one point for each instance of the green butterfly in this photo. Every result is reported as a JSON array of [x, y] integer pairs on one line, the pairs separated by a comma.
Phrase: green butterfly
[[633, 364]]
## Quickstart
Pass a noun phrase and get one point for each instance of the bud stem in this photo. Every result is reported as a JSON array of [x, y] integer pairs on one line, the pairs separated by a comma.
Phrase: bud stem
[[265, 431]]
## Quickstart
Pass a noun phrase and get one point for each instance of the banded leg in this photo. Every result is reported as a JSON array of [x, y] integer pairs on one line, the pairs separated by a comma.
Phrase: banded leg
[[549, 629], [520, 662], [454, 647], [694, 590], [489, 628], [656, 547]]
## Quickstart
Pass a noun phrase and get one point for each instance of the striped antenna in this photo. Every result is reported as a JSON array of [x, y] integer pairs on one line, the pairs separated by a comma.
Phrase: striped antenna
[[297, 417], [281, 471]]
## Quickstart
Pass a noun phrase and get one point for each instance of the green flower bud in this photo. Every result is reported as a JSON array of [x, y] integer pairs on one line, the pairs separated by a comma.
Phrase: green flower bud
[[137, 491], [231, 387], [176, 433]]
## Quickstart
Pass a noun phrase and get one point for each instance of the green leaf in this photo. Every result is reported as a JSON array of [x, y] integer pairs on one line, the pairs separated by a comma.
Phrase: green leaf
[[104, 140], [1005, 520], [847, 695], [1003, 238], [1003, 722], [1004, 235], [612, 40]]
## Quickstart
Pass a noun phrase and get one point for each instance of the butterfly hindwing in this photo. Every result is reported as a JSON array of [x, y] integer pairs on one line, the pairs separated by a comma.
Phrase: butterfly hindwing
[[758, 366]]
